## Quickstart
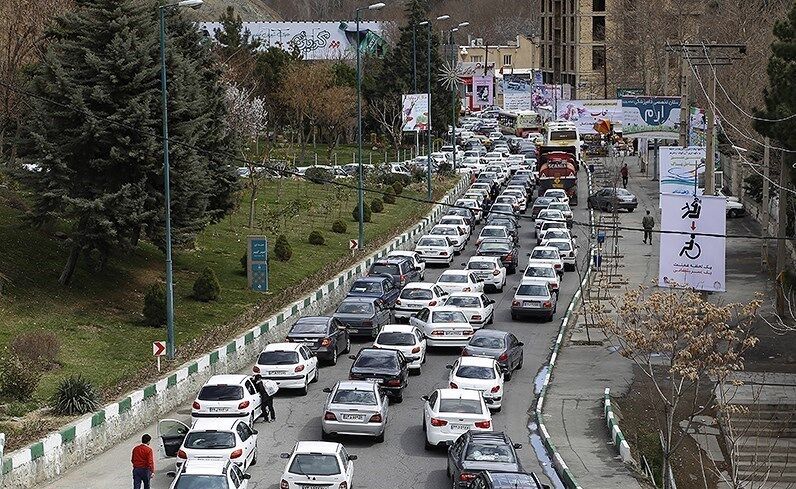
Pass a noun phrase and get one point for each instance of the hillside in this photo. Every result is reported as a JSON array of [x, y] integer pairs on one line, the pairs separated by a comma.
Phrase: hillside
[[249, 10]]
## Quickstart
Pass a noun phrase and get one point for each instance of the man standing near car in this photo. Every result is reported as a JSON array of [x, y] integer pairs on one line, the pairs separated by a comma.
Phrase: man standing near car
[[267, 388], [143, 463], [625, 174]]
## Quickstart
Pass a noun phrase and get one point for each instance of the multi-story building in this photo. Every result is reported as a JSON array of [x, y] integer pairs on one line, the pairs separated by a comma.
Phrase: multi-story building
[[521, 54]]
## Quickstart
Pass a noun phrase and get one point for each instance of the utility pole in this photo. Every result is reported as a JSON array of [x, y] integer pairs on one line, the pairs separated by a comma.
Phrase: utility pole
[[710, 151], [782, 222], [766, 204], [684, 108]]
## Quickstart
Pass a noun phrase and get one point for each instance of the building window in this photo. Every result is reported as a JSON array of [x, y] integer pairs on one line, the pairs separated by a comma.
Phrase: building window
[[574, 37], [541, 60], [598, 28], [598, 5], [544, 21], [476, 59], [506, 59], [572, 58], [597, 58]]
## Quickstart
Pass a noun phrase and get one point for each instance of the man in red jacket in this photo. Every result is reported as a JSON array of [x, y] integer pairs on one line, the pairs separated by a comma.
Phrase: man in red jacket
[[143, 463]]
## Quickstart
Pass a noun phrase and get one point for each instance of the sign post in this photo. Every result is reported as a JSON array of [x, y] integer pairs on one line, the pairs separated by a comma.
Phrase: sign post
[[353, 245], [158, 350], [257, 263]]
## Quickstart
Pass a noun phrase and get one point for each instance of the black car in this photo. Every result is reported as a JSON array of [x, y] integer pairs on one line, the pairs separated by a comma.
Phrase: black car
[[387, 367], [504, 347], [507, 480], [608, 199], [400, 268], [479, 451], [505, 249], [503, 210], [325, 336], [508, 223], [462, 212], [363, 316], [379, 287]]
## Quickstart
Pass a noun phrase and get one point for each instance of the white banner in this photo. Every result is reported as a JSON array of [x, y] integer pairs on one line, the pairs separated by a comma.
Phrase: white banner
[[688, 257], [679, 169], [585, 113], [415, 112]]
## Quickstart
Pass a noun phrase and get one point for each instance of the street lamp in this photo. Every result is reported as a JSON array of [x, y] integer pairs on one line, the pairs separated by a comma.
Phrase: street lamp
[[429, 193], [455, 89], [166, 184], [375, 6]]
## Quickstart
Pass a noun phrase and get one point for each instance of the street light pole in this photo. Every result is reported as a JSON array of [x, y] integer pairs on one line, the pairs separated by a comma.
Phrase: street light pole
[[429, 192], [454, 53], [414, 58], [170, 347]]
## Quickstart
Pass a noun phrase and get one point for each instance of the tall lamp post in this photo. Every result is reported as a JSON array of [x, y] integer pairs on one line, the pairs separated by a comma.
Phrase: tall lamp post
[[166, 184], [455, 89], [361, 184], [429, 193]]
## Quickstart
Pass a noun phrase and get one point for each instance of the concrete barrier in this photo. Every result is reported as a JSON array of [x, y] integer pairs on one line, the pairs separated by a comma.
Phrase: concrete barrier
[[617, 437], [94, 433]]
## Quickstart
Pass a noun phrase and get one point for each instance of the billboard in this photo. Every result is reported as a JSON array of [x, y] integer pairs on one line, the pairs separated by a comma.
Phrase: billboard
[[693, 231], [483, 91], [547, 94], [679, 169], [584, 113], [516, 92], [414, 111], [652, 117]]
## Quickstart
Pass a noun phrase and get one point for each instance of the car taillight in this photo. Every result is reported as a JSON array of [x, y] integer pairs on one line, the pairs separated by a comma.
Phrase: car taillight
[[394, 383], [284, 484], [466, 477], [299, 368], [438, 422], [495, 389], [508, 257], [243, 405], [483, 424], [503, 357], [237, 453], [432, 303], [495, 272], [443, 253], [196, 405], [256, 369], [402, 278], [515, 303], [553, 285], [465, 353], [326, 342], [376, 418], [453, 385], [398, 301], [557, 265], [548, 304], [181, 454], [329, 416], [416, 349]]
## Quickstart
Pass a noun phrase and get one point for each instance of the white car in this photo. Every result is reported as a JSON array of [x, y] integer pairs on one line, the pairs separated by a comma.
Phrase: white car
[[481, 374], [210, 473], [549, 255], [553, 233], [548, 215], [510, 200], [417, 260], [218, 439], [456, 234], [324, 464], [435, 249], [457, 221], [568, 252], [290, 365], [407, 339], [488, 269], [479, 309], [415, 296], [492, 232], [543, 272], [459, 281], [557, 192], [522, 198], [565, 209], [547, 225], [443, 326], [228, 396], [448, 413]]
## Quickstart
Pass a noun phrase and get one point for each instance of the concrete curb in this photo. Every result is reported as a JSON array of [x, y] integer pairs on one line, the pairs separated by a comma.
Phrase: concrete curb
[[93, 433], [617, 437]]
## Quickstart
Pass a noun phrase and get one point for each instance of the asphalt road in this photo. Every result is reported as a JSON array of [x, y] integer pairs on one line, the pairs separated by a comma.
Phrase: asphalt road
[[401, 461]]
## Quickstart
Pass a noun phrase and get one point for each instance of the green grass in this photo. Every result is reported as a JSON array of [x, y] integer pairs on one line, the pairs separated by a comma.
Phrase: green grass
[[343, 154], [98, 317]]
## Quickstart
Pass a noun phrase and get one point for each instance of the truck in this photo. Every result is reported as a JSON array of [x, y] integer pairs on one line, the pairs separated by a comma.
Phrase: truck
[[557, 167]]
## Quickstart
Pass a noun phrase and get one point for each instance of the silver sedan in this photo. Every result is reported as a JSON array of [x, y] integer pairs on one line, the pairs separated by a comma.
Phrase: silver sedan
[[355, 407]]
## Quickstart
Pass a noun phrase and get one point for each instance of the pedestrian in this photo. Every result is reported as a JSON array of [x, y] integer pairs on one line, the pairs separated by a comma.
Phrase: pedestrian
[[625, 172], [648, 223], [143, 463], [267, 388]]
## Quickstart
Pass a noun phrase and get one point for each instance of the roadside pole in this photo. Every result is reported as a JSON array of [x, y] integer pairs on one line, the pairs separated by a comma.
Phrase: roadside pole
[[684, 109], [710, 151], [782, 219], [766, 205]]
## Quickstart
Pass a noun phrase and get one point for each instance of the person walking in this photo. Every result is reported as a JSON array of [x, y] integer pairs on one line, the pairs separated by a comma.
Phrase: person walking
[[267, 388], [143, 460], [625, 173], [648, 222]]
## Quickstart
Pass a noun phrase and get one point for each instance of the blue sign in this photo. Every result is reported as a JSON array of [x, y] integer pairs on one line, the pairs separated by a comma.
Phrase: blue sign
[[260, 277], [257, 270], [259, 249]]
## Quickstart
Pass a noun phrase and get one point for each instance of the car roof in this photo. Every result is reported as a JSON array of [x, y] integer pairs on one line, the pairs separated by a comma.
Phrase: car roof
[[322, 319], [447, 309], [358, 298], [369, 350], [227, 379], [540, 264], [390, 260], [495, 333], [397, 328], [433, 236], [282, 347], [465, 294], [497, 437], [484, 258], [419, 285], [407, 253], [316, 447], [493, 226], [544, 248], [559, 240], [532, 281], [477, 361], [213, 424], [457, 272], [365, 385], [373, 278], [458, 394], [205, 467]]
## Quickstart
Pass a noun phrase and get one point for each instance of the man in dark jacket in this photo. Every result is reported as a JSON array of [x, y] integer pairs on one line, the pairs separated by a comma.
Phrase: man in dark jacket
[[648, 223], [267, 399]]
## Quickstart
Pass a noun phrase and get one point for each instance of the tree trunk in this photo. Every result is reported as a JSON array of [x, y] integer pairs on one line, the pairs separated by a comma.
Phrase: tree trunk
[[252, 207], [71, 264]]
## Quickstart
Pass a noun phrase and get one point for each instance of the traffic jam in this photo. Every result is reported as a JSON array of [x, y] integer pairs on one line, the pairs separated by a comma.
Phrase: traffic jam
[[456, 309]]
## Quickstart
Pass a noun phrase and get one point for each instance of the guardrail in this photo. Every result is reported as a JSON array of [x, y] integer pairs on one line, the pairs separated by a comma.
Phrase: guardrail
[[617, 437]]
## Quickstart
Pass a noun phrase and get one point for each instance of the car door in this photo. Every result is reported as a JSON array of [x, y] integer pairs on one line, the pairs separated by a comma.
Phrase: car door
[[345, 461], [310, 361], [390, 293], [248, 441], [419, 319], [236, 478], [253, 397], [429, 407], [421, 341], [336, 334], [514, 350], [454, 457], [488, 305], [171, 433]]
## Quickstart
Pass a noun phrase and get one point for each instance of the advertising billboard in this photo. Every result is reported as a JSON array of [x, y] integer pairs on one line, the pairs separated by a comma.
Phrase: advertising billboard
[[680, 169], [414, 111], [652, 117], [516, 92], [483, 91], [585, 113]]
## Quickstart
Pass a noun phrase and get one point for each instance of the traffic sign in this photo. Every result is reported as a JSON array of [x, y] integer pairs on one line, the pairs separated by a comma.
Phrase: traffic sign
[[353, 244], [159, 348]]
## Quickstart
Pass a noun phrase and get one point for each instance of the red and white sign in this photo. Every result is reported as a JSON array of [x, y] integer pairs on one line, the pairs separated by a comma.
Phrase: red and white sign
[[159, 348], [353, 244]]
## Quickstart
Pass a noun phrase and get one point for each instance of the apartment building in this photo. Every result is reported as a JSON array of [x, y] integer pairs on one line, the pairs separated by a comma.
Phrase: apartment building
[[522, 54]]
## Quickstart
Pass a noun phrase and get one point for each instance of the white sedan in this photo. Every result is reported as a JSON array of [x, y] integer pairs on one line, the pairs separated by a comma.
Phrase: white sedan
[[479, 374], [219, 439], [407, 339], [443, 326], [435, 249], [290, 365], [459, 281], [479, 309], [448, 413], [568, 252], [456, 234], [324, 463], [558, 193], [489, 269], [547, 254], [417, 260], [546, 215], [415, 296], [457, 221], [545, 272]]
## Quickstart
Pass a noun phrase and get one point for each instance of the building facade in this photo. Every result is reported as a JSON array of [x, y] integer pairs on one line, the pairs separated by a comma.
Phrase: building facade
[[521, 54]]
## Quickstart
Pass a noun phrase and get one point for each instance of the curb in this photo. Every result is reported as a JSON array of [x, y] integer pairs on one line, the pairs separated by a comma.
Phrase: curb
[[617, 437], [93, 433]]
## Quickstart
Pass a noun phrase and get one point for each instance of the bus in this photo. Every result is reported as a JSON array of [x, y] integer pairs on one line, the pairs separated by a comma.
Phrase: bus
[[519, 123]]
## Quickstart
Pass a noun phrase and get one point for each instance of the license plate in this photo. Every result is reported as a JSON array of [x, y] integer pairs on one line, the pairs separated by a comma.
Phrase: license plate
[[352, 417], [453, 333], [530, 304], [460, 427], [378, 381], [353, 331], [218, 409], [308, 343], [274, 372]]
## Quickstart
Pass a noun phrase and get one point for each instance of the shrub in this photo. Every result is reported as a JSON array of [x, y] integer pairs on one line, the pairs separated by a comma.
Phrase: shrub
[[318, 175], [155, 305], [366, 216], [39, 349], [389, 197], [282, 248], [339, 227], [18, 380], [316, 238], [377, 205], [398, 187], [75, 395], [206, 287], [244, 260]]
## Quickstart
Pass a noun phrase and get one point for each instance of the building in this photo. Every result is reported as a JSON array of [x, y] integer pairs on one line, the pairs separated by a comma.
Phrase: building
[[572, 45], [521, 54]]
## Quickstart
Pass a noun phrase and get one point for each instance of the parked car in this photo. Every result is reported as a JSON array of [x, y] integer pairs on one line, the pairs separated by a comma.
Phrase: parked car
[[609, 199], [435, 249], [416, 296], [501, 346], [355, 407], [459, 281], [228, 396], [388, 368], [377, 287], [533, 298], [505, 249], [475, 452], [448, 413], [325, 336], [400, 268], [325, 463], [363, 316], [407, 339], [480, 374], [443, 326], [210, 473], [488, 269], [290, 365], [218, 439], [506, 480]]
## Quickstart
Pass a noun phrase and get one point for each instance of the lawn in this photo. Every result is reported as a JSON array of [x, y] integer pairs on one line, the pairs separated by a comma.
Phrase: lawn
[[98, 317]]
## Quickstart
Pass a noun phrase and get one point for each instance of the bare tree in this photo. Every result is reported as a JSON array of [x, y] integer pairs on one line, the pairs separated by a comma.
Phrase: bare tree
[[387, 112], [335, 115], [302, 86]]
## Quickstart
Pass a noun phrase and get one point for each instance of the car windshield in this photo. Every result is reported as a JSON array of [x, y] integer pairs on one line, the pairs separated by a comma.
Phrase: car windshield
[[502, 247], [221, 393], [456, 222], [543, 202], [558, 206], [195, 481], [396, 339], [416, 294], [561, 245], [545, 254], [206, 440], [487, 342], [353, 396], [432, 242], [278, 358], [553, 224], [502, 208], [557, 233], [493, 232], [376, 361], [366, 288], [453, 278], [481, 265], [311, 327], [479, 452], [549, 215], [314, 464], [444, 231], [448, 317], [464, 406], [473, 372], [536, 290], [463, 301], [622, 191], [355, 308], [387, 268], [544, 272]]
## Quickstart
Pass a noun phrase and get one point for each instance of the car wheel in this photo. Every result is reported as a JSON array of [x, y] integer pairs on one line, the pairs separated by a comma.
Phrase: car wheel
[[732, 213], [254, 457], [514, 316], [448, 471], [333, 360], [498, 409], [380, 438], [347, 344], [519, 365], [252, 418], [491, 318], [550, 318], [398, 399], [428, 446], [415, 371], [315, 377], [424, 357], [303, 391], [507, 376]]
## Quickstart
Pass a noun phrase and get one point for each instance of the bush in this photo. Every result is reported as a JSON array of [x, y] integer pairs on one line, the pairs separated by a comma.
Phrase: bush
[[389, 197], [318, 175], [75, 395], [39, 349], [366, 216], [18, 380], [316, 238], [282, 248], [339, 227], [244, 260], [155, 305], [392, 178], [206, 287], [377, 205], [398, 187]]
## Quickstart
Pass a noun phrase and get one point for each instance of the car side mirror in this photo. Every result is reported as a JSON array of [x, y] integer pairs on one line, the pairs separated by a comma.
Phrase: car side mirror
[[352, 457], [520, 343], [517, 446], [425, 398], [327, 390], [449, 367], [255, 432], [171, 474], [352, 357], [247, 476], [284, 455]]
